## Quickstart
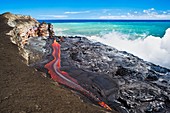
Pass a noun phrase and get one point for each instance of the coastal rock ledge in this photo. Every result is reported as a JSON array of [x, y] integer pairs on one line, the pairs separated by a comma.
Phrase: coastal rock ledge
[[123, 81]]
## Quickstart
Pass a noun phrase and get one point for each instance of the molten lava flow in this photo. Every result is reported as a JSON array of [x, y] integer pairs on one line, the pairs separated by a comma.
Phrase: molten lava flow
[[64, 78], [104, 105]]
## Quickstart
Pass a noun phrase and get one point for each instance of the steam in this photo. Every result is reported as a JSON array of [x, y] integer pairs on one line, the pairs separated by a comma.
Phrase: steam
[[152, 49]]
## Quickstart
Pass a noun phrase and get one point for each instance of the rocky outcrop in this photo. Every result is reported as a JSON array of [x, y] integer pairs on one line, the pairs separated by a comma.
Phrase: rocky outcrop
[[28, 34], [21, 25]]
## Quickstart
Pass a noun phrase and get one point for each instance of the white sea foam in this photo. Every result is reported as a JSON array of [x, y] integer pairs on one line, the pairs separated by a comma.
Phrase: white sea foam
[[152, 49], [59, 31]]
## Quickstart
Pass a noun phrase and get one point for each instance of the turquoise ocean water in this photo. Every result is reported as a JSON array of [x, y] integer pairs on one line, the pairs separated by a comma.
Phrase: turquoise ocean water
[[149, 40]]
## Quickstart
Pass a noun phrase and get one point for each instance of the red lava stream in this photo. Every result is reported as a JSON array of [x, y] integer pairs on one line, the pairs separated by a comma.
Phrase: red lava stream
[[65, 79]]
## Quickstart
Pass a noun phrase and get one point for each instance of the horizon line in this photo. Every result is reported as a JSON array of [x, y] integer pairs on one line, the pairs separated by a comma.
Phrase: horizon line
[[104, 20]]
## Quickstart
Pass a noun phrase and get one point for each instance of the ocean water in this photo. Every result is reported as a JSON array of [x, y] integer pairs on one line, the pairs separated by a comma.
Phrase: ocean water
[[147, 39]]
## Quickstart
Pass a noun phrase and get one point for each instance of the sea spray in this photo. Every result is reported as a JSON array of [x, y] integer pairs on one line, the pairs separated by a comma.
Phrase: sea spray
[[146, 40], [152, 49]]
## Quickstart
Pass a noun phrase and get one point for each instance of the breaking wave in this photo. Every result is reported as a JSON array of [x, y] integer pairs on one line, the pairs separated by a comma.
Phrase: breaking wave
[[152, 49]]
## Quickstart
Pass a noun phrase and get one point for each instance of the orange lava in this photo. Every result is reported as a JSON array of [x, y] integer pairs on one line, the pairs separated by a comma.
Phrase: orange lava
[[105, 106], [65, 79]]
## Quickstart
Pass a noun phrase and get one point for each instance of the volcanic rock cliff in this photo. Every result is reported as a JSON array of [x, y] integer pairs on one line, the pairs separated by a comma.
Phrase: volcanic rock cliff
[[19, 35], [123, 81], [21, 24]]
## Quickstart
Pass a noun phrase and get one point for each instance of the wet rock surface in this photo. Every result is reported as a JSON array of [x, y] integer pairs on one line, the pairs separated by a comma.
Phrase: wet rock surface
[[125, 82]]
